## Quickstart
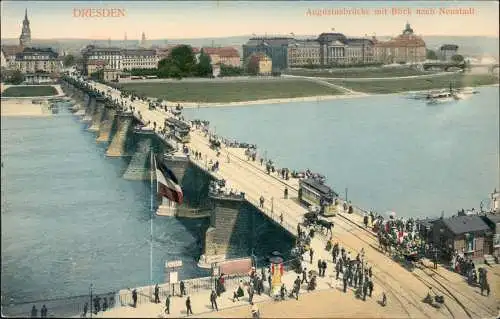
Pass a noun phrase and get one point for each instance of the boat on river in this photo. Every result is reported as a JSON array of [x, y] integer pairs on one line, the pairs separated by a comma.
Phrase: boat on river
[[443, 97]]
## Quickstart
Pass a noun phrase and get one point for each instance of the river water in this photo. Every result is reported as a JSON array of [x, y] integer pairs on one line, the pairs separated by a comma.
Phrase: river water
[[391, 153], [69, 219]]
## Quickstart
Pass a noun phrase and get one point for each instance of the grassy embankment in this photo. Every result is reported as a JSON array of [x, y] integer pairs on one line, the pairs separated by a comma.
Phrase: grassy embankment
[[231, 91], [416, 84], [28, 91], [386, 72]]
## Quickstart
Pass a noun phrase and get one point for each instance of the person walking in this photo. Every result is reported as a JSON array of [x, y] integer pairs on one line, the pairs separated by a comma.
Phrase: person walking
[[34, 312], [261, 200], [167, 305], [183, 288], [344, 279], [311, 254], [213, 300], [85, 309], [43, 312], [285, 195], [188, 306], [304, 276], [323, 267], [157, 294], [320, 266], [134, 298]]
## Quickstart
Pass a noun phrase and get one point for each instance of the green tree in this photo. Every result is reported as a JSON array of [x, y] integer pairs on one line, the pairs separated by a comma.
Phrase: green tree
[[457, 58], [69, 60], [228, 70], [204, 66], [431, 55], [183, 58], [16, 78]]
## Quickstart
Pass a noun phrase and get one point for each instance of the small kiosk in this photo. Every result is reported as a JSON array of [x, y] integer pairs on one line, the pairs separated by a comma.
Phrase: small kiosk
[[277, 271]]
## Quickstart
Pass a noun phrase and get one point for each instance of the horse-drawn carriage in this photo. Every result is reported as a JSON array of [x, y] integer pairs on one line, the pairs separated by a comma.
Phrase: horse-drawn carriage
[[214, 144], [315, 221], [411, 258]]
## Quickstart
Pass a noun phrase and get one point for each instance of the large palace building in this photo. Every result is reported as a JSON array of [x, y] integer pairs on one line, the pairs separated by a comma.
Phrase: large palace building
[[405, 48]]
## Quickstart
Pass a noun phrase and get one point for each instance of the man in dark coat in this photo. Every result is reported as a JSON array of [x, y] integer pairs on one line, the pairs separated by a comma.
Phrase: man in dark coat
[[43, 312], [311, 254], [157, 294], [213, 300], [304, 276], [34, 312], [324, 265], [188, 306], [134, 299], [345, 283], [320, 267], [167, 305]]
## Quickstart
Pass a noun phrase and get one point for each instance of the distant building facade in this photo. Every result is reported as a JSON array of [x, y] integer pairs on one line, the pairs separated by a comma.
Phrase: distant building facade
[[333, 48], [262, 63], [303, 53], [405, 48], [118, 59], [447, 51], [225, 56], [112, 57], [34, 60], [276, 48], [359, 51], [139, 59]]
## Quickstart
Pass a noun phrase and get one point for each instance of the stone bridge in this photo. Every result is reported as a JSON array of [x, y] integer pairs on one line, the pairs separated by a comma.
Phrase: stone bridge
[[234, 221]]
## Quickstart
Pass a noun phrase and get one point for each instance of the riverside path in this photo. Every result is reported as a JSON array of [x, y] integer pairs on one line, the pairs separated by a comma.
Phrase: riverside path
[[403, 288]]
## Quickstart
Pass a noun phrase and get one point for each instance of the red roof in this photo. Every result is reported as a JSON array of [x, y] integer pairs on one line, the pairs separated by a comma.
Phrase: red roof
[[226, 52], [97, 62], [237, 266]]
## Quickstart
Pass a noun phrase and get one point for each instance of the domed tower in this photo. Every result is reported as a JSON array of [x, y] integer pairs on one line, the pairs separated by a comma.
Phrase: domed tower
[[25, 38], [408, 29]]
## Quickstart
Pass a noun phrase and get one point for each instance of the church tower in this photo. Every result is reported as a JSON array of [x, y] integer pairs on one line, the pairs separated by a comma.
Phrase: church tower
[[143, 40], [25, 38]]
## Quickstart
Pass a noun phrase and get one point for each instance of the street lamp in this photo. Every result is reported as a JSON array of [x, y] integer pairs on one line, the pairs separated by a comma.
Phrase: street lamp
[[90, 303]]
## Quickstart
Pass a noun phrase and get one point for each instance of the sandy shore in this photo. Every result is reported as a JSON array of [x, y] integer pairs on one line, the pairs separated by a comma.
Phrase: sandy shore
[[190, 105], [269, 101], [23, 107]]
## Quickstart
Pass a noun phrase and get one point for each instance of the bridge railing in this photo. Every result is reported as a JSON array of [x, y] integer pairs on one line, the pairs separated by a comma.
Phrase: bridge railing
[[57, 307]]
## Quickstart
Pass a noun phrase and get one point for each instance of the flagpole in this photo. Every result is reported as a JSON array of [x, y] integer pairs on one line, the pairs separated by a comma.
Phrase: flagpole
[[151, 232]]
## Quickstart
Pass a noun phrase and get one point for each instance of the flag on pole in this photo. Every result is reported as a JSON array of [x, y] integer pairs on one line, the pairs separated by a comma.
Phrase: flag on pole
[[167, 183]]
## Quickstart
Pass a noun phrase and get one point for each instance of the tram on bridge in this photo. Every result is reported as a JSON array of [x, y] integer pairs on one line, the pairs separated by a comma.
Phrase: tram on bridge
[[312, 192], [179, 129]]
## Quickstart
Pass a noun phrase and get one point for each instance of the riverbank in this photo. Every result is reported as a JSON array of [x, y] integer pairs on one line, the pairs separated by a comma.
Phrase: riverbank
[[30, 91], [401, 85], [22, 108], [286, 90]]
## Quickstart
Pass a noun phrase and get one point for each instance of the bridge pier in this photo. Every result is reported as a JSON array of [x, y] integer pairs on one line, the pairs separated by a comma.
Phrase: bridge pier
[[117, 146], [106, 125], [229, 230], [139, 168], [97, 115], [90, 108]]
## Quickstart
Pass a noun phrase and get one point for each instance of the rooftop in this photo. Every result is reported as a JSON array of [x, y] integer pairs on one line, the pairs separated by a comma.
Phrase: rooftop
[[465, 224], [449, 47]]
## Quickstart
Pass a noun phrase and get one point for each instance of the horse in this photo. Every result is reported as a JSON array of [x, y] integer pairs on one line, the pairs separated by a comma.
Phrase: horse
[[325, 224]]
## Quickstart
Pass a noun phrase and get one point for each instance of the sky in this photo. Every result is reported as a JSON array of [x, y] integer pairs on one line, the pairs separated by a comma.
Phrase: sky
[[202, 19]]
